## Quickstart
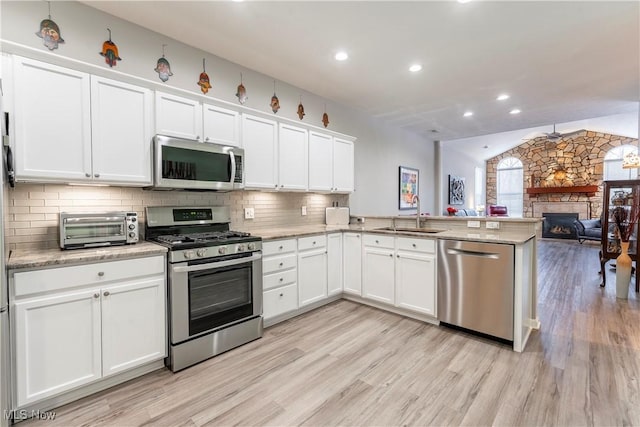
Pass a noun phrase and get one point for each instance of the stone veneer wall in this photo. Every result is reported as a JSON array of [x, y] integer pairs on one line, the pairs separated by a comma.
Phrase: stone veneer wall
[[581, 155], [33, 209]]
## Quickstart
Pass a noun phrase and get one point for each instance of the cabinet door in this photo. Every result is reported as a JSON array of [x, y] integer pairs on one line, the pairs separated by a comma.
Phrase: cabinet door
[[416, 282], [259, 140], [312, 276], [292, 158], [334, 260], [133, 324], [57, 341], [378, 280], [343, 166], [220, 125], [177, 116], [352, 263], [52, 122], [320, 161], [121, 120]]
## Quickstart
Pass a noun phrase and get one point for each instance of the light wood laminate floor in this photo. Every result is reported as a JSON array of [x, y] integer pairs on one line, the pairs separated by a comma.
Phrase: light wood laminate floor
[[348, 364]]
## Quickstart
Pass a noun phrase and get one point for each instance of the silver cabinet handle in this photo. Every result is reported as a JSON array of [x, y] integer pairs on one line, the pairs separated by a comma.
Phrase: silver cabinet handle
[[96, 295], [106, 293], [100, 273], [206, 139], [281, 279], [281, 295], [314, 243], [87, 174], [280, 265], [280, 247], [198, 137], [377, 241], [391, 255], [358, 236], [97, 175], [414, 245], [397, 256], [276, 186]]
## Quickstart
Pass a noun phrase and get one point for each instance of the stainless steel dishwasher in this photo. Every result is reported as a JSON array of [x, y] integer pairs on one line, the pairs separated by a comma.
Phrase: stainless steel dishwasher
[[475, 286]]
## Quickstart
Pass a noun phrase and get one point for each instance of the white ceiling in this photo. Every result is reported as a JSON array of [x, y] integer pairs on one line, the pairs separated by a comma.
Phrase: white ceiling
[[559, 61]]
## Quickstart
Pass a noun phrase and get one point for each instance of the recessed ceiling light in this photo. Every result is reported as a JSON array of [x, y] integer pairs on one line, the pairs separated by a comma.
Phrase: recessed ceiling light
[[415, 68], [468, 113], [237, 1], [502, 97], [514, 111], [463, 1], [341, 56]]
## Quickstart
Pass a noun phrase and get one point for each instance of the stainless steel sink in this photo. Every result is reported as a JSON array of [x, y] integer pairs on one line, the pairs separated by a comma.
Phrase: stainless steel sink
[[412, 230]]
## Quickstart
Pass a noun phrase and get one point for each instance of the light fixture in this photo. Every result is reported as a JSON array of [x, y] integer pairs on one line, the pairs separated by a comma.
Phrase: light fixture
[[468, 113], [341, 56], [463, 1], [415, 68], [631, 160], [515, 111], [502, 97]]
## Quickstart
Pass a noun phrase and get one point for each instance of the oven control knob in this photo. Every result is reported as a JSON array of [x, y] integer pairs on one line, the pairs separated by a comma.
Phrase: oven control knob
[[132, 234], [241, 248], [222, 250], [131, 226], [202, 252], [251, 246], [189, 254]]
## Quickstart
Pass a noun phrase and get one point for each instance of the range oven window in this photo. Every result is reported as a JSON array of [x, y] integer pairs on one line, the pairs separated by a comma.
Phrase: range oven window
[[185, 164], [219, 296]]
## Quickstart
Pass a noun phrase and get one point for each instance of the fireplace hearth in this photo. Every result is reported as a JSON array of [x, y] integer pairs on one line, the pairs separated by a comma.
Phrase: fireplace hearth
[[559, 225]]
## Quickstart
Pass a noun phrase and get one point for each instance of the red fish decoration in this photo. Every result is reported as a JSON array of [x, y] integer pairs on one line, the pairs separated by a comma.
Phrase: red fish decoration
[[110, 52], [203, 81]]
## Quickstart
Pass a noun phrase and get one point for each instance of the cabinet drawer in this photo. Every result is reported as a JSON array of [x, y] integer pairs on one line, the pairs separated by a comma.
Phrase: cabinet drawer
[[280, 300], [53, 279], [277, 247], [278, 263], [312, 242], [416, 245], [378, 240], [278, 279]]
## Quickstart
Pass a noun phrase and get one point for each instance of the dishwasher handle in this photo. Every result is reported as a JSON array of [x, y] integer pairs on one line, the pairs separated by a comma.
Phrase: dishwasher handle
[[464, 252]]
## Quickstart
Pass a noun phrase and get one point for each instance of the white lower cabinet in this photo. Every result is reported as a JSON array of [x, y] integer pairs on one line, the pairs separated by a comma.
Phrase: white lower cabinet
[[334, 264], [378, 268], [416, 275], [68, 333], [312, 269], [280, 278], [352, 263]]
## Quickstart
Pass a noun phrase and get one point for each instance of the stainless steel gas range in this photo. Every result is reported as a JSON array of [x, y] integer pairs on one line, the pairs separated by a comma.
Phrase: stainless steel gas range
[[214, 281]]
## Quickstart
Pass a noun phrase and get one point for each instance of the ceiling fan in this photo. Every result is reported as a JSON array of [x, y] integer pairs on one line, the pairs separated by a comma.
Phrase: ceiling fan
[[555, 136]]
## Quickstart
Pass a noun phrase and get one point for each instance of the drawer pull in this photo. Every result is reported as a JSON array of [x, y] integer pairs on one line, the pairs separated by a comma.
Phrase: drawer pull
[[391, 255], [100, 273], [281, 247], [414, 245], [314, 243], [96, 295], [397, 256], [377, 241], [281, 294], [282, 279], [106, 293], [280, 265]]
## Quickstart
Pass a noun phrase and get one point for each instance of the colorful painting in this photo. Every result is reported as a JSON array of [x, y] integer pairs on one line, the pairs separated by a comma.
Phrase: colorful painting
[[456, 190], [409, 179]]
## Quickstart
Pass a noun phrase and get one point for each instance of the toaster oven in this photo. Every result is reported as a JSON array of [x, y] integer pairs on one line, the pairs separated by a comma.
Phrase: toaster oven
[[87, 230]]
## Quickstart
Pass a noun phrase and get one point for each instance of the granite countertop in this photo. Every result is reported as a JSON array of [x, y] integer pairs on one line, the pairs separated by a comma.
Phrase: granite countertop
[[452, 218], [35, 258], [510, 237]]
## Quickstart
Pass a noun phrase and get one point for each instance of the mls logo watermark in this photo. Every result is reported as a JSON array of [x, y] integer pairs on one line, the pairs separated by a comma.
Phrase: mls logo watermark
[[23, 414]]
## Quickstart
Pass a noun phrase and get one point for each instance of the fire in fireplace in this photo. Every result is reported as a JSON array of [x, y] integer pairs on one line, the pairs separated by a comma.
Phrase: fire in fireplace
[[559, 225]]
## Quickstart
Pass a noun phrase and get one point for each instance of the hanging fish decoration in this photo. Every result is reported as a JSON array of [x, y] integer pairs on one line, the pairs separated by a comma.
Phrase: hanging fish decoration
[[110, 51], [275, 102], [163, 68], [241, 92], [300, 109], [325, 117], [204, 82], [50, 32]]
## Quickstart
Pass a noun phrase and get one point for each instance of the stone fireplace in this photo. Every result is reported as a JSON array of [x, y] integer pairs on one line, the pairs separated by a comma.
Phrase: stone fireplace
[[559, 225]]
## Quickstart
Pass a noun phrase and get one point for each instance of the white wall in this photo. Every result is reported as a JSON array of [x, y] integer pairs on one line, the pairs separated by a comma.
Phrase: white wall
[[379, 149], [461, 156]]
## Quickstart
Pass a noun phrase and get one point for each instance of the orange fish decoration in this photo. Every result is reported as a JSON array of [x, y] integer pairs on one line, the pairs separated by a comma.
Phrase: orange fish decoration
[[110, 52], [325, 119], [204, 81], [241, 92], [300, 109]]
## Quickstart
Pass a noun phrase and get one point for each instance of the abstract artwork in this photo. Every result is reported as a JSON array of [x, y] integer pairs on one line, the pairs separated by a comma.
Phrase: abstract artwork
[[456, 190], [408, 187]]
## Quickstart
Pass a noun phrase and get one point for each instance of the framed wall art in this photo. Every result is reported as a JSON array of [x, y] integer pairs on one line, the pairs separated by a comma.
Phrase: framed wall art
[[408, 178], [456, 190]]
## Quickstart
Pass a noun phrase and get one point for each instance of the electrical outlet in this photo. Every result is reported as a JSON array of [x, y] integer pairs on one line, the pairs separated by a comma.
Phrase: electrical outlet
[[304, 210], [493, 225], [473, 224], [249, 213]]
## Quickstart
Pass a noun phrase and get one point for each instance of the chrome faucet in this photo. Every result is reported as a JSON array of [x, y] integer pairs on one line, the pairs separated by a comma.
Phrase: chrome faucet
[[417, 200]]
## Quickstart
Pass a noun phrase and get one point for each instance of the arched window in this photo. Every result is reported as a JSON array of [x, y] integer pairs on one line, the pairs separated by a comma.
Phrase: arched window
[[510, 183], [612, 168]]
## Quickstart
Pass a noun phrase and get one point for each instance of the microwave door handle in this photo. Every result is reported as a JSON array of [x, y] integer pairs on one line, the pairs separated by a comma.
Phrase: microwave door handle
[[232, 157], [219, 264]]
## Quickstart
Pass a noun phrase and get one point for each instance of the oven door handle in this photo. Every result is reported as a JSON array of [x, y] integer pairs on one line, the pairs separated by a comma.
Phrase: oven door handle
[[214, 264]]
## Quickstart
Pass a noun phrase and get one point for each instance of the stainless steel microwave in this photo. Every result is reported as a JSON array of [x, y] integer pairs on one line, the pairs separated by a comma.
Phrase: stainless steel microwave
[[87, 230], [192, 165]]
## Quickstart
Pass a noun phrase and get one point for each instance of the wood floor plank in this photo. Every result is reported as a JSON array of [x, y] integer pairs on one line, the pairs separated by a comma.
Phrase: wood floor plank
[[349, 364]]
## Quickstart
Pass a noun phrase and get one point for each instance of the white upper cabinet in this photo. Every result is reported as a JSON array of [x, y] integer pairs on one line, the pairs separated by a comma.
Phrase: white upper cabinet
[[221, 125], [70, 126], [121, 131], [52, 128], [260, 143], [178, 116], [292, 158], [331, 163]]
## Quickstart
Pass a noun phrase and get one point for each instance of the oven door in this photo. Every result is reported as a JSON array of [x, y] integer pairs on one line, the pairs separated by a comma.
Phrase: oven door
[[92, 230], [206, 295]]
